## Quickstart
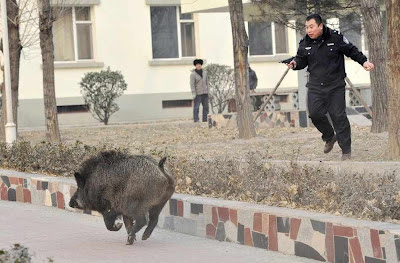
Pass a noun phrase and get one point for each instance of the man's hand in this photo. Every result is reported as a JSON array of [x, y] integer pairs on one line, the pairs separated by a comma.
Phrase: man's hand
[[368, 66], [292, 64]]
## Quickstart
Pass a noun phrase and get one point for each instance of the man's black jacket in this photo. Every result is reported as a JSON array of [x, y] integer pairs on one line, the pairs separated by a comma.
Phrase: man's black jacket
[[324, 57]]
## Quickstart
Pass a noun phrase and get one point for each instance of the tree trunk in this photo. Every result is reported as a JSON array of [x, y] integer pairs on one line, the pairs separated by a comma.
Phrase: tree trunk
[[240, 48], [47, 48], [393, 14], [370, 10], [15, 52]]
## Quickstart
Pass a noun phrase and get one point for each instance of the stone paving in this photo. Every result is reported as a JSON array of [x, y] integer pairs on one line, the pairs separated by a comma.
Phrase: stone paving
[[72, 237]]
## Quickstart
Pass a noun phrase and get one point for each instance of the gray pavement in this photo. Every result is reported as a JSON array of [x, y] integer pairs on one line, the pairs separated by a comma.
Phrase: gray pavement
[[71, 237]]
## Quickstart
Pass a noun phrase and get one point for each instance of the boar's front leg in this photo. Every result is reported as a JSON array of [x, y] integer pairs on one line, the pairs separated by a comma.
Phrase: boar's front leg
[[134, 212], [109, 219], [128, 221], [132, 229]]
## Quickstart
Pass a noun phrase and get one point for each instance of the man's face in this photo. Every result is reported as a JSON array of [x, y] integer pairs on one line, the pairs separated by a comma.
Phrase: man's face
[[313, 29], [198, 66]]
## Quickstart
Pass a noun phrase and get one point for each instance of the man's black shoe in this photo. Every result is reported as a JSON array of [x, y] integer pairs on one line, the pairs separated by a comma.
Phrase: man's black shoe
[[346, 156], [329, 144]]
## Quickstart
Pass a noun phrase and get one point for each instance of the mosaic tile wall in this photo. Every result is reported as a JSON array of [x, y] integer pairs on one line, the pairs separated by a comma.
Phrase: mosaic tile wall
[[266, 120], [321, 241], [303, 237]]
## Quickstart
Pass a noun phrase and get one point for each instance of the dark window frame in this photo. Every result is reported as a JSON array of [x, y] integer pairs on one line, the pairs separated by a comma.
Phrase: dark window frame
[[171, 104], [69, 109]]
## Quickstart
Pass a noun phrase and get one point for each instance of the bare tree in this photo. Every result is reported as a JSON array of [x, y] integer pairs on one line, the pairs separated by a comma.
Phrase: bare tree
[[393, 10], [24, 28], [23, 33], [284, 11], [240, 51], [377, 49], [13, 14], [47, 15], [221, 83]]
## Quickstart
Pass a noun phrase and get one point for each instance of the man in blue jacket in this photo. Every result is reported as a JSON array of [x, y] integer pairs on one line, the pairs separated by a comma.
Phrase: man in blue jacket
[[322, 50]]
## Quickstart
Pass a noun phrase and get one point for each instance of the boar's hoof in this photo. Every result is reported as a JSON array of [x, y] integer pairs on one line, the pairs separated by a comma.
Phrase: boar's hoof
[[145, 237], [117, 226], [131, 239]]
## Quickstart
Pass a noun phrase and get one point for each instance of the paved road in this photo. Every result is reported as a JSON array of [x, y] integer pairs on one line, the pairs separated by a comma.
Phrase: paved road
[[72, 237]]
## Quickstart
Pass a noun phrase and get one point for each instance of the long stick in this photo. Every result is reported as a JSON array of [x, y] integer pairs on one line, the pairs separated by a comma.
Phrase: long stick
[[270, 95], [358, 95]]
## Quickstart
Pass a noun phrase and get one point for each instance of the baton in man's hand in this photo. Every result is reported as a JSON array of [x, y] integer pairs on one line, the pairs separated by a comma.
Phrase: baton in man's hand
[[266, 99]]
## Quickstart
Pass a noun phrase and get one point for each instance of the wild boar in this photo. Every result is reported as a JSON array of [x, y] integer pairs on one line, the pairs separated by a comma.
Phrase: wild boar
[[115, 184]]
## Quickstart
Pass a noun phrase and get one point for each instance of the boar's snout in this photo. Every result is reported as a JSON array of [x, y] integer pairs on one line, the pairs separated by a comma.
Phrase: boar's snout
[[73, 203]]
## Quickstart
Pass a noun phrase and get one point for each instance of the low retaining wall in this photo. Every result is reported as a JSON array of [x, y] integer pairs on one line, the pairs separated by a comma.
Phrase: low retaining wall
[[266, 120], [316, 236]]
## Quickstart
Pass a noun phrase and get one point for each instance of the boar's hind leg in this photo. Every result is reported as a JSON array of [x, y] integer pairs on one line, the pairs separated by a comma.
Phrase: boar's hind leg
[[109, 219], [128, 221], [154, 212]]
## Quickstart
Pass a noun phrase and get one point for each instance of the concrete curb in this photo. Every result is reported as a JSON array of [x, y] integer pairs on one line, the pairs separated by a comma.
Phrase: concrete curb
[[322, 237]]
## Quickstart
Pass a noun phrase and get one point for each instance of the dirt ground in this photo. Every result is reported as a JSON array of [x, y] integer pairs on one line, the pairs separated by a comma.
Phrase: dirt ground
[[186, 138]]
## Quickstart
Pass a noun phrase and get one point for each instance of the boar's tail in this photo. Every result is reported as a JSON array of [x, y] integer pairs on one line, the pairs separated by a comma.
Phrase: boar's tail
[[171, 180]]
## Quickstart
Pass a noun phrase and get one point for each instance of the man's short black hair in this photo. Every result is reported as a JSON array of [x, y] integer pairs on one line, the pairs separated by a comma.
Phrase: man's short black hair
[[317, 18], [198, 61]]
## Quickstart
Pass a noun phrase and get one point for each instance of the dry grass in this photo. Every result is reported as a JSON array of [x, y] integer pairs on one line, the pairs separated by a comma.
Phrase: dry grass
[[184, 138]]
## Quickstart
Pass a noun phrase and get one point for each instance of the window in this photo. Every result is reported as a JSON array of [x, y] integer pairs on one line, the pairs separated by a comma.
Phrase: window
[[172, 33], [73, 35], [267, 38], [187, 35], [72, 109], [176, 103]]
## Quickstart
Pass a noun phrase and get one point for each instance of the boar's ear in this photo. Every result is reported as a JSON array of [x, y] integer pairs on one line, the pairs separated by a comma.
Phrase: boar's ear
[[80, 180]]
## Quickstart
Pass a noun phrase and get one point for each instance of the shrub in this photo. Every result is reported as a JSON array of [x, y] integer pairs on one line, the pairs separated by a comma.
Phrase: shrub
[[248, 178], [252, 179], [221, 83], [18, 254], [100, 89], [46, 157]]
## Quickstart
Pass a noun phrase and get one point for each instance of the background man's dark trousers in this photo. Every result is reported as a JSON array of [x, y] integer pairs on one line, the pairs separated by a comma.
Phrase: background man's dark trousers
[[330, 100], [203, 100]]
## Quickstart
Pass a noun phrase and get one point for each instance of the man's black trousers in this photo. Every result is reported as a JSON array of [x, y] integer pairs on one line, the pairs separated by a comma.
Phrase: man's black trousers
[[330, 100], [203, 99]]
